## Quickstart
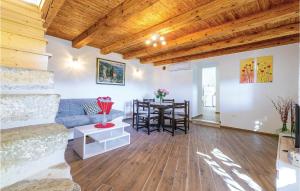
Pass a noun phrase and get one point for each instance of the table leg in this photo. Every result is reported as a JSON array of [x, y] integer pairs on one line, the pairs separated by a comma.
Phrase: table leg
[[161, 118]]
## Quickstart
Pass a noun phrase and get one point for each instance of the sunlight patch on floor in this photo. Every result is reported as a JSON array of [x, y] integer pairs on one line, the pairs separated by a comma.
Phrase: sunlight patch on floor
[[232, 185], [248, 180], [217, 153], [231, 164], [225, 160]]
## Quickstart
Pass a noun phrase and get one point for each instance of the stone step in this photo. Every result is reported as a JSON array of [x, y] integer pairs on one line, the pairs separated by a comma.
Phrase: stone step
[[27, 151], [27, 19], [16, 41], [20, 29], [62, 170], [25, 80], [23, 58], [44, 185], [206, 123], [27, 109], [22, 7]]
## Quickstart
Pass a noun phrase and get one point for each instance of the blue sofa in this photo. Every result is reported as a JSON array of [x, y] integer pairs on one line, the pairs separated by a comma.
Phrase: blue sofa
[[71, 113]]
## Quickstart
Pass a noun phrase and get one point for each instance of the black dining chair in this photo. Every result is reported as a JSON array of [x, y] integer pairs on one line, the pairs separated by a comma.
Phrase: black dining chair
[[168, 100], [148, 100], [178, 121], [182, 113], [146, 119], [134, 113]]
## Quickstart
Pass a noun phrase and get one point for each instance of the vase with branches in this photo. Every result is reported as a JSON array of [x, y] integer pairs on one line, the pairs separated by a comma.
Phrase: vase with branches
[[293, 116], [283, 107]]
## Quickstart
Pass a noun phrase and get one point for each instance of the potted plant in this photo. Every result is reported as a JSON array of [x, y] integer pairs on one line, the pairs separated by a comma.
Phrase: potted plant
[[160, 94], [283, 107]]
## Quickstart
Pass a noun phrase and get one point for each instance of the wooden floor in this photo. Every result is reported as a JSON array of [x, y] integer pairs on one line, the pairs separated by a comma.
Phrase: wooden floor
[[205, 159]]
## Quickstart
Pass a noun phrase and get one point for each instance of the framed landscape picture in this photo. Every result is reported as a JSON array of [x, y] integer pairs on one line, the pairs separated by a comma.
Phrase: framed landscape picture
[[110, 72]]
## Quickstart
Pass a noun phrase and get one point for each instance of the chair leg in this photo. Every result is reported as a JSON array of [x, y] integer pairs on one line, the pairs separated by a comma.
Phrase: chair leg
[[185, 126], [137, 123], [173, 127], [133, 117], [148, 126], [163, 125], [158, 128]]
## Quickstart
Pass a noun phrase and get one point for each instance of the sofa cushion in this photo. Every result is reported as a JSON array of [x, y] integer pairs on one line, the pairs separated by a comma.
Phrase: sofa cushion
[[73, 120], [91, 108], [69, 107]]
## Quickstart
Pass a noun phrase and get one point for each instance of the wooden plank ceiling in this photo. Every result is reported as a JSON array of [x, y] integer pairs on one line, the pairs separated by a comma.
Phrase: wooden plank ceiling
[[193, 29]]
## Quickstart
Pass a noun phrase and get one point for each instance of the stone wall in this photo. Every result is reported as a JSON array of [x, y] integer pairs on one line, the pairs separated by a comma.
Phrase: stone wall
[[32, 157]]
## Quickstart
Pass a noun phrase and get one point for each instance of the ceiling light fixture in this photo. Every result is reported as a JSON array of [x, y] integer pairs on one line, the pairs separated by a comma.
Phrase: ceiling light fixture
[[156, 40]]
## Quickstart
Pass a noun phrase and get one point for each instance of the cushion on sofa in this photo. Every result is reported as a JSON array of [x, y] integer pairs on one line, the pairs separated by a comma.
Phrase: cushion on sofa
[[73, 120], [71, 113], [69, 107], [91, 108]]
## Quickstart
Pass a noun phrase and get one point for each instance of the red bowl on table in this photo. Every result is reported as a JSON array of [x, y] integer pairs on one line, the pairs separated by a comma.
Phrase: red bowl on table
[[107, 125]]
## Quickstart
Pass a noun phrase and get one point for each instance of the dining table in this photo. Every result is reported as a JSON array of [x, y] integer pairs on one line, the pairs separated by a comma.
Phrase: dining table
[[161, 107]]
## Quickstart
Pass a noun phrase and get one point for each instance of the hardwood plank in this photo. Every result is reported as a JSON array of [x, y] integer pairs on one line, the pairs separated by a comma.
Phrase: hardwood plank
[[156, 174], [282, 31], [50, 10], [180, 179], [168, 176], [174, 162], [94, 179], [117, 16], [193, 172], [200, 13], [141, 164], [276, 14], [252, 46], [105, 187]]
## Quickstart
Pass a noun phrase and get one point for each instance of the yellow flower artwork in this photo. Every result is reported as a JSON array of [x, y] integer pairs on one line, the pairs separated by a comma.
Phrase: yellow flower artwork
[[264, 70], [247, 71]]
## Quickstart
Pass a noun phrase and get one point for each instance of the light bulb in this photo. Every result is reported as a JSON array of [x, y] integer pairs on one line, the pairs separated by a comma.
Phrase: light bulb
[[155, 44], [162, 38], [148, 42], [164, 43], [154, 37]]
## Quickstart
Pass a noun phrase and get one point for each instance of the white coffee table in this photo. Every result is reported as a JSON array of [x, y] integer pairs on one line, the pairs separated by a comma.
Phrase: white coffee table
[[105, 139]]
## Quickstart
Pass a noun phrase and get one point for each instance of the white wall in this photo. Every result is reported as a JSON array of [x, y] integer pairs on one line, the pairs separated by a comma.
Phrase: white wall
[[241, 105], [249, 106], [246, 106], [80, 81]]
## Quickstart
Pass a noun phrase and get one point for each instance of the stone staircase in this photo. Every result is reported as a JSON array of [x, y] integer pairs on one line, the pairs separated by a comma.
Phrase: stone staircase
[[32, 144]]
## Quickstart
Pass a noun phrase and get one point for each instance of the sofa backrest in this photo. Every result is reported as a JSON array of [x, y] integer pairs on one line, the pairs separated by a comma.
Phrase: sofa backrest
[[69, 107]]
